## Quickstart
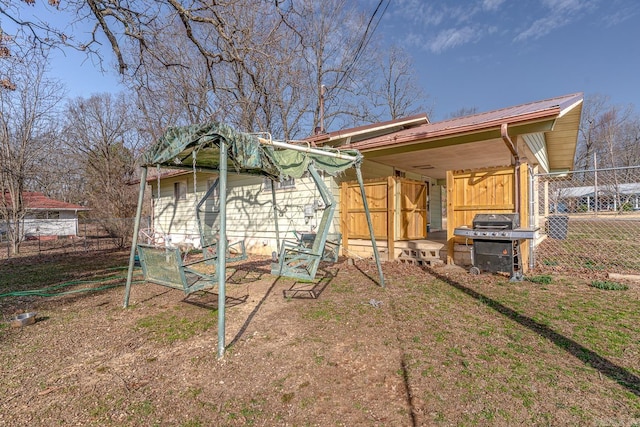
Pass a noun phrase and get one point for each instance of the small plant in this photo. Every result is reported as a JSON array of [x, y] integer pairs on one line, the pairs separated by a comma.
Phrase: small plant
[[543, 279], [592, 265], [287, 397], [608, 285], [168, 327]]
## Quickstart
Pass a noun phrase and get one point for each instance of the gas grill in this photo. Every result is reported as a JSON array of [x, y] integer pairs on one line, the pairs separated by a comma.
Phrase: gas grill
[[496, 243]]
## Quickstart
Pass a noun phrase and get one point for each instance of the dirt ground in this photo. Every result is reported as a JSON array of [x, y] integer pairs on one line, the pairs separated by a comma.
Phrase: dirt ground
[[437, 347]]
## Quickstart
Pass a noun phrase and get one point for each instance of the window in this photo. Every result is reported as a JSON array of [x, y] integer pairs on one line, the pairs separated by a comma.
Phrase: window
[[180, 190], [285, 184], [44, 215]]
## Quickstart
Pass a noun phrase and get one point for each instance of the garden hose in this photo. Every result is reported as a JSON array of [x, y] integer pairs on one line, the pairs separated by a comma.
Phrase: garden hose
[[47, 292]]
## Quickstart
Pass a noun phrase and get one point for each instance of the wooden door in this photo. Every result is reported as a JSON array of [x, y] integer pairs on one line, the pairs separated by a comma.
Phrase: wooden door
[[412, 210]]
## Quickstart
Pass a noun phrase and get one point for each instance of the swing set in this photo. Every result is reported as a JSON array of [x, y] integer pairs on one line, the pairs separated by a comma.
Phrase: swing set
[[216, 148]]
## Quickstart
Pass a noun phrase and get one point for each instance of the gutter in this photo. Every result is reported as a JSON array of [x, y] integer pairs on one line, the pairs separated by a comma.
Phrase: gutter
[[504, 132]]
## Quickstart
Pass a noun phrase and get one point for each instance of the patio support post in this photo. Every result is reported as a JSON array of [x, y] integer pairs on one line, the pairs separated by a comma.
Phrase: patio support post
[[275, 215], [369, 223], [532, 217], [222, 249], [134, 240]]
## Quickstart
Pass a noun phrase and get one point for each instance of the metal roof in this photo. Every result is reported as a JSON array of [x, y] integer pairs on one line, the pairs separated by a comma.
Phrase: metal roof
[[38, 201], [548, 108], [476, 141]]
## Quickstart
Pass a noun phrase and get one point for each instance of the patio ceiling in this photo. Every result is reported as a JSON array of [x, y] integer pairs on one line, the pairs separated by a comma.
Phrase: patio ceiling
[[434, 162]]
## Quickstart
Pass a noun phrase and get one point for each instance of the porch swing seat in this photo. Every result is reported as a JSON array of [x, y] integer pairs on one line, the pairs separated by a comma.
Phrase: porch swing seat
[[301, 261], [236, 251], [301, 258], [164, 266]]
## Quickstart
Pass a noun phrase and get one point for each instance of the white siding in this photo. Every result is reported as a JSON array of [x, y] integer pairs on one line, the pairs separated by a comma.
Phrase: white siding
[[538, 147], [50, 227], [250, 214]]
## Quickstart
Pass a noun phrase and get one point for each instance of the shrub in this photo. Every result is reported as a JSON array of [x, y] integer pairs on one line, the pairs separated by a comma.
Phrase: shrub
[[608, 285], [543, 279]]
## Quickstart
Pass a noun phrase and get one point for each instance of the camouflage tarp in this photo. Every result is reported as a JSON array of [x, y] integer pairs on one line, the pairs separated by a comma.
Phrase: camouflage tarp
[[176, 148]]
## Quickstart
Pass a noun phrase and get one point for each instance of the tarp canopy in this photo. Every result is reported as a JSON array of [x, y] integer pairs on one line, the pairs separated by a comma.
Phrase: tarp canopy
[[247, 153]]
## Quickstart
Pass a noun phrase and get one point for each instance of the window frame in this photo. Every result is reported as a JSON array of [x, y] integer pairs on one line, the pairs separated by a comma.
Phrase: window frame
[[287, 184], [180, 190]]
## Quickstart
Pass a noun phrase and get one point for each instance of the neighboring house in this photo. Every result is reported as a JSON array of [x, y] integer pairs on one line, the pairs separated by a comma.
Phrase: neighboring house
[[414, 171], [47, 218], [609, 198]]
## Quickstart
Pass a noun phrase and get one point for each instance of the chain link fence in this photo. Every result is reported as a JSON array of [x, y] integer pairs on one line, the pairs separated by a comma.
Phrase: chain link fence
[[101, 234], [590, 221]]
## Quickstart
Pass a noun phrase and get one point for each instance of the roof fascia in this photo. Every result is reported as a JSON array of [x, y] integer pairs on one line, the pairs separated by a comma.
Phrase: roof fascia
[[516, 124], [363, 131], [445, 140]]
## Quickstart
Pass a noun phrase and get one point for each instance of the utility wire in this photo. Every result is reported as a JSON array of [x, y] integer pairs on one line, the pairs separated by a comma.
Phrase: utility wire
[[366, 38]]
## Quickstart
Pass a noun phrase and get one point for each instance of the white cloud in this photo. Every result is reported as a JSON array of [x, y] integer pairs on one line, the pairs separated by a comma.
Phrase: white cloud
[[559, 14], [491, 5], [453, 37]]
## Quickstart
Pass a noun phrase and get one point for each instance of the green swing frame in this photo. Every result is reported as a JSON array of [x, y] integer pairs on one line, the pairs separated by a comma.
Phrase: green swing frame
[[212, 147]]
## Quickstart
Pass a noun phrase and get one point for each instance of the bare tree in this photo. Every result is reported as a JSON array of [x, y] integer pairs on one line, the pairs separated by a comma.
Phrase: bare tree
[[261, 65], [101, 136], [392, 90], [461, 112], [609, 132], [28, 131]]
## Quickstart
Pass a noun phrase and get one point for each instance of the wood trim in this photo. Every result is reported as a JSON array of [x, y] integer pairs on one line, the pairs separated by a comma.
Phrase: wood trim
[[524, 214], [391, 217], [344, 228], [450, 213]]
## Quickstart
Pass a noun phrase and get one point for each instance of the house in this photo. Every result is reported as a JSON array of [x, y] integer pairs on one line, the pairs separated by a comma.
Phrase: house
[[596, 198], [47, 218], [420, 177]]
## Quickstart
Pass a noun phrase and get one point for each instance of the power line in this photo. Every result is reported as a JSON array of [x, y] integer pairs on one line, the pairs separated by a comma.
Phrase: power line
[[366, 38]]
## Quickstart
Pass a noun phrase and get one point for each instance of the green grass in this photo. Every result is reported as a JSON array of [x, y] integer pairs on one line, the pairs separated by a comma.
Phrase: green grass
[[607, 285], [543, 279], [19, 274], [522, 343], [168, 327], [470, 350]]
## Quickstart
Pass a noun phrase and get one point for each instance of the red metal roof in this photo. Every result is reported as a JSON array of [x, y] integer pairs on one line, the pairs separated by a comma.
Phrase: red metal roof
[[362, 132], [532, 111], [164, 173], [38, 201]]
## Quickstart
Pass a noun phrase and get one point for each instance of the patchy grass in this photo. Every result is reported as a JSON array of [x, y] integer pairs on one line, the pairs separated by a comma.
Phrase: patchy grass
[[609, 286], [442, 347], [543, 279], [170, 326]]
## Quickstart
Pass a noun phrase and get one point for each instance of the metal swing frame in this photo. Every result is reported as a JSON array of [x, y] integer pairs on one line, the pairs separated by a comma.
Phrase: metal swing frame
[[220, 271]]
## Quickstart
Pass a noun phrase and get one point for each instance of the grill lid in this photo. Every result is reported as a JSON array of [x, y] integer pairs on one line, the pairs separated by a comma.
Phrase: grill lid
[[501, 221]]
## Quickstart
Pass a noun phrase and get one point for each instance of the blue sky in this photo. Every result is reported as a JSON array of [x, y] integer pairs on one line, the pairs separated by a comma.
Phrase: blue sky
[[491, 54], [487, 54]]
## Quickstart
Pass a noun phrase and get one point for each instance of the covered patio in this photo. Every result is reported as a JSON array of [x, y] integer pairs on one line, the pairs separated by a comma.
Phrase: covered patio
[[482, 161]]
